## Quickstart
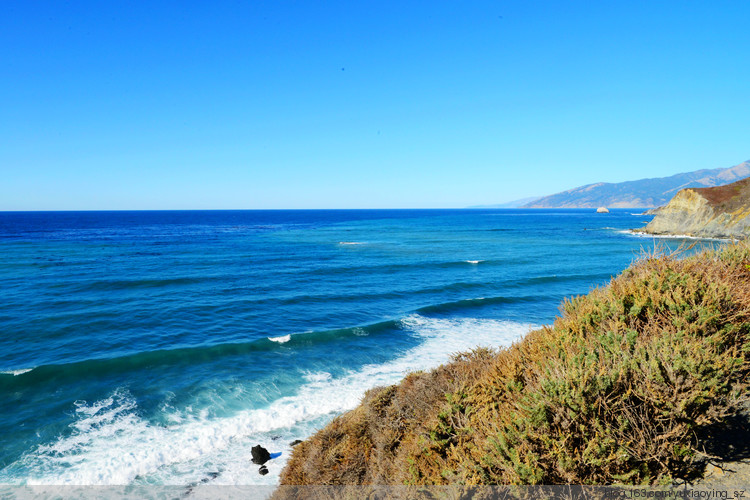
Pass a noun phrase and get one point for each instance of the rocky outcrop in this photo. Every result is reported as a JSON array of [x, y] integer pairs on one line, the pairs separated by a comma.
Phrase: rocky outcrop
[[260, 455], [716, 212]]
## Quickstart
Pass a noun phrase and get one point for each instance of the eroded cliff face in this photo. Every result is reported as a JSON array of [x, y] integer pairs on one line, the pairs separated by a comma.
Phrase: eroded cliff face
[[705, 213]]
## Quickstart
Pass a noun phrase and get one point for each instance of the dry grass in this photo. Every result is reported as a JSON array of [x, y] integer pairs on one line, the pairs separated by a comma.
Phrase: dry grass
[[728, 197], [615, 391]]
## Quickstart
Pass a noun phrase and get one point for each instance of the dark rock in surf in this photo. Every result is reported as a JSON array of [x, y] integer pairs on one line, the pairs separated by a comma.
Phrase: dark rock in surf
[[260, 455], [211, 475], [295, 442], [263, 470]]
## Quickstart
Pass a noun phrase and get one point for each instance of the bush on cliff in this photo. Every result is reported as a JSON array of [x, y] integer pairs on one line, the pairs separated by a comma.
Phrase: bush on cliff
[[617, 390]]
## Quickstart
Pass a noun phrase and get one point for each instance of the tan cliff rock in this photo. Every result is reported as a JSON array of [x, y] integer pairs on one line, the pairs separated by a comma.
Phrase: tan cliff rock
[[715, 212]]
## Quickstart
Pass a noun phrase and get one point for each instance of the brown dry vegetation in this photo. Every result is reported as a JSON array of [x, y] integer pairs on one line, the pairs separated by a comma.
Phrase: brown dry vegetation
[[617, 390], [728, 197]]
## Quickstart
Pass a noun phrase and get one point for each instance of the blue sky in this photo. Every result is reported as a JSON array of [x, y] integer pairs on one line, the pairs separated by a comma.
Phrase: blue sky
[[277, 104]]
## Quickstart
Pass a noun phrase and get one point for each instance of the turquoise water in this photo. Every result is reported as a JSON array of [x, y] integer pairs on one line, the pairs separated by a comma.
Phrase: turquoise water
[[159, 347]]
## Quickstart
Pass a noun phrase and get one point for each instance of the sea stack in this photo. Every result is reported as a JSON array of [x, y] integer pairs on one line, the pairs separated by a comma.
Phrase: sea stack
[[602, 210]]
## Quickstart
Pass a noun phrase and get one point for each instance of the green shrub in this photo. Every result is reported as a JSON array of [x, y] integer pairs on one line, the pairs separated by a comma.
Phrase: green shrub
[[615, 391]]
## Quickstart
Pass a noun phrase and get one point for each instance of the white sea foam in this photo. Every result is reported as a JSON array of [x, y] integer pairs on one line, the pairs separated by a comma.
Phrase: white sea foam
[[640, 234], [350, 243], [317, 377], [473, 261], [110, 441], [16, 373], [280, 340]]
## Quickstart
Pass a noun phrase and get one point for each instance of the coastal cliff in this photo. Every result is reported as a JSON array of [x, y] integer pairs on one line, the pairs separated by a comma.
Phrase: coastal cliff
[[630, 385], [716, 212]]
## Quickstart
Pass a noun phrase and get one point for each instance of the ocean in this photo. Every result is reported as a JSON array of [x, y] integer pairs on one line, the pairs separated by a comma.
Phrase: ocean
[[156, 348]]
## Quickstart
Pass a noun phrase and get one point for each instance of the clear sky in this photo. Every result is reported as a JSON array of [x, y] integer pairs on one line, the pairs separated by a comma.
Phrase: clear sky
[[355, 104]]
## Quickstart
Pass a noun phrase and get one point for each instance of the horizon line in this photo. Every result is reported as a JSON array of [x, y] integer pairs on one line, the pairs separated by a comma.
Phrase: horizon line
[[297, 209]]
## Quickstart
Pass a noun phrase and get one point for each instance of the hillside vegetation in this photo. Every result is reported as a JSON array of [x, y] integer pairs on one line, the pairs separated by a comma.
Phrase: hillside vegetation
[[624, 387]]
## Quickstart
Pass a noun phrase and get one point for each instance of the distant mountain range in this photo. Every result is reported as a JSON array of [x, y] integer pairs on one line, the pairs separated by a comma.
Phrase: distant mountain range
[[644, 193]]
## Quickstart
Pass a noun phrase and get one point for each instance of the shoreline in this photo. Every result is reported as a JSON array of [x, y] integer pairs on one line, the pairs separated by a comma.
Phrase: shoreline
[[642, 234]]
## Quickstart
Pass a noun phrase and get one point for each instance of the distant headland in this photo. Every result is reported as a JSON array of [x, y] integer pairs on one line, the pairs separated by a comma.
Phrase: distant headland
[[716, 212]]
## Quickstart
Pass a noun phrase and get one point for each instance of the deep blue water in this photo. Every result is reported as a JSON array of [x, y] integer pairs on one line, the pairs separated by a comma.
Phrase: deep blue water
[[158, 347]]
